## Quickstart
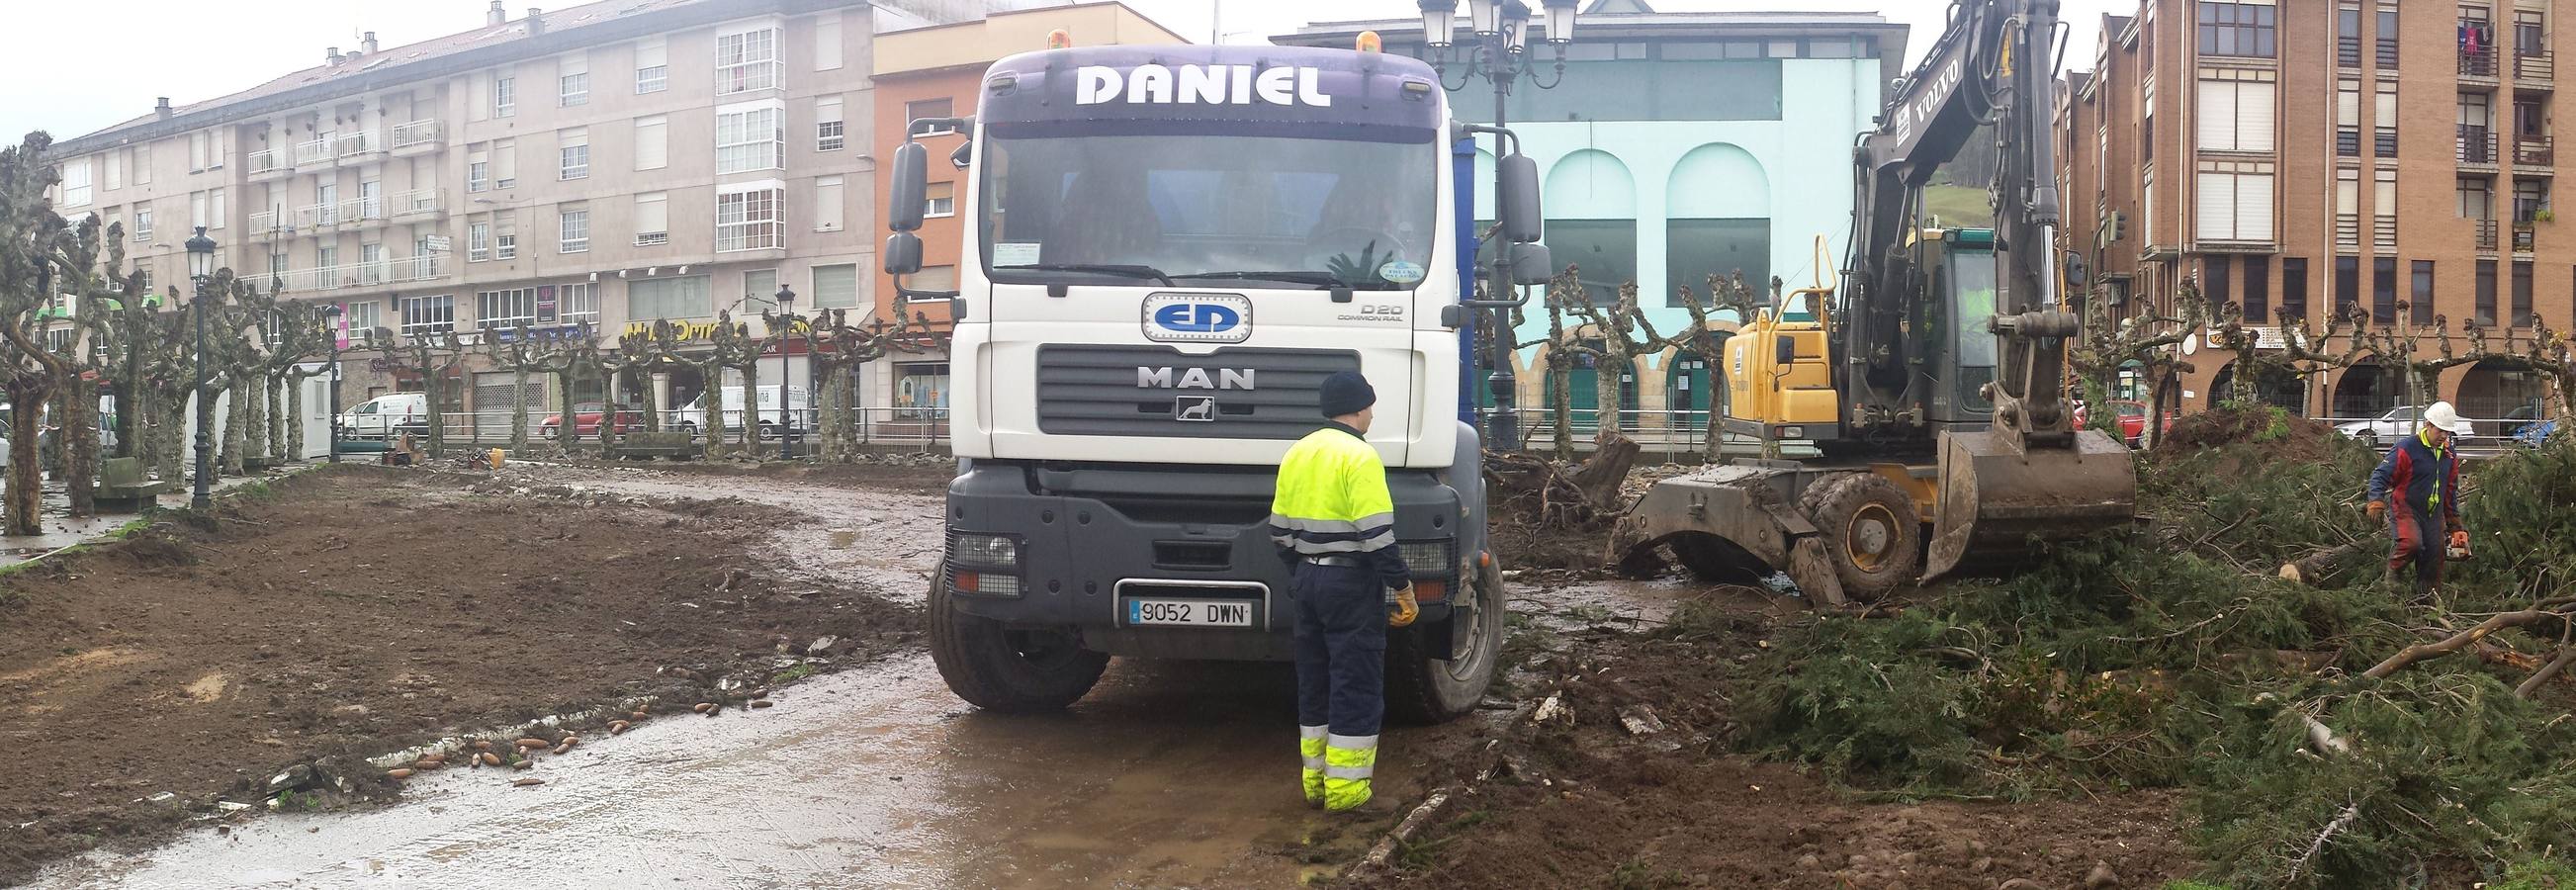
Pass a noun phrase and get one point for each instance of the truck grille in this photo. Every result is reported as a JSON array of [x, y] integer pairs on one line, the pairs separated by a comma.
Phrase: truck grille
[[1093, 391]]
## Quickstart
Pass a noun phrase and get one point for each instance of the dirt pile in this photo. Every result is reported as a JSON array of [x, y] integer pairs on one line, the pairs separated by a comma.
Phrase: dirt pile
[[2276, 435], [356, 612]]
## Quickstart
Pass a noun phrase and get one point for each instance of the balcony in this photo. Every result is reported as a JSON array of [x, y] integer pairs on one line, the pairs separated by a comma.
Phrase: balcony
[[359, 146], [2534, 71], [2533, 154], [2486, 232], [417, 137], [2525, 235], [2475, 148], [312, 152], [268, 164], [418, 203], [425, 267], [2478, 64]]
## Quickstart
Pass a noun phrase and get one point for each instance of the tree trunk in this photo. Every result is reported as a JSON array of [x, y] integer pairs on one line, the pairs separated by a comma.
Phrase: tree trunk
[[2316, 568], [263, 411], [751, 413], [519, 409], [565, 432], [433, 383], [1606, 373], [1599, 476], [1560, 383], [170, 436], [294, 448], [26, 488], [711, 411], [235, 426], [274, 397], [80, 445]]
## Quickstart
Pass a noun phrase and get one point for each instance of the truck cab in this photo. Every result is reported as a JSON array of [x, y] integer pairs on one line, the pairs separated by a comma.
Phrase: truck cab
[[1168, 249]]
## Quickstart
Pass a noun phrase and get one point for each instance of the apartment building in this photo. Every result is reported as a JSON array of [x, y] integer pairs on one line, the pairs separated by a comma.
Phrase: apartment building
[[608, 165], [2302, 159], [938, 71]]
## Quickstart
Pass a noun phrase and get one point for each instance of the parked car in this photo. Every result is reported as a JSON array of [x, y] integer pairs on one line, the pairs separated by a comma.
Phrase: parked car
[[586, 417], [2133, 420], [2515, 421], [799, 402], [2535, 433], [386, 416], [2398, 423]]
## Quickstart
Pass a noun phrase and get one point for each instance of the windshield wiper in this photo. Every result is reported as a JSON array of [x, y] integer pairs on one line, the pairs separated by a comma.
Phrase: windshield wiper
[[1299, 276], [1126, 269]]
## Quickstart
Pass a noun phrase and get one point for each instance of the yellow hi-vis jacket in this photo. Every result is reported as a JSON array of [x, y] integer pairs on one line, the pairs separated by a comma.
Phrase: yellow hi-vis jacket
[[1332, 501]]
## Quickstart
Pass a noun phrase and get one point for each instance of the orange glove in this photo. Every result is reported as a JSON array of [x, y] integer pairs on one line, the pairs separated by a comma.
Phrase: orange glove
[[2460, 541], [2378, 510], [1406, 609]]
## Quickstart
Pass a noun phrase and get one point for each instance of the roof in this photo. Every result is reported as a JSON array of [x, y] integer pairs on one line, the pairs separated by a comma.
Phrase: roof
[[1618, 7], [558, 31]]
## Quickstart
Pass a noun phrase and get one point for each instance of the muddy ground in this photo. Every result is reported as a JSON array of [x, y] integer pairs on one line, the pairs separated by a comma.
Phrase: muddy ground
[[357, 611]]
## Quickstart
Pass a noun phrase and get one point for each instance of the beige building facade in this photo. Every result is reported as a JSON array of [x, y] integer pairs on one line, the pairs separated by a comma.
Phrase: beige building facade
[[607, 165]]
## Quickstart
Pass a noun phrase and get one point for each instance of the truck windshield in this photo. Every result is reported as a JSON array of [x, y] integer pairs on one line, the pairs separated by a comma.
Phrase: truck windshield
[[1301, 212]]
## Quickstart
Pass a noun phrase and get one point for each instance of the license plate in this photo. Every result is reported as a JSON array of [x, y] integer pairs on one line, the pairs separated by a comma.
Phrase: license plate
[[1189, 613]]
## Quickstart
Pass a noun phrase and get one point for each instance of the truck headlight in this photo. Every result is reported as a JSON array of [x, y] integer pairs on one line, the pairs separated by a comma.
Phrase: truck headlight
[[984, 551], [1430, 559]]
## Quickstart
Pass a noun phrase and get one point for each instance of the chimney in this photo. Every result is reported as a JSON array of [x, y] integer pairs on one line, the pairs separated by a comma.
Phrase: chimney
[[334, 54], [163, 111], [536, 21], [496, 16], [368, 45]]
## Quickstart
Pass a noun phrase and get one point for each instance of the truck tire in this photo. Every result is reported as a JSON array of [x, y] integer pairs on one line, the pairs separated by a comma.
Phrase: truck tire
[[1000, 669], [1421, 689], [1873, 536]]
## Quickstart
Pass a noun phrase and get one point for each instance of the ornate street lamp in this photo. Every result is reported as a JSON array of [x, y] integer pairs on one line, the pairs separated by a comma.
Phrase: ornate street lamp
[[331, 318], [201, 268], [787, 327]]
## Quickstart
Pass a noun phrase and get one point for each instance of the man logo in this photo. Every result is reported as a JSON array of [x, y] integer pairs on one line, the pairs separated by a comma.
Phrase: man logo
[[1199, 85], [1194, 408]]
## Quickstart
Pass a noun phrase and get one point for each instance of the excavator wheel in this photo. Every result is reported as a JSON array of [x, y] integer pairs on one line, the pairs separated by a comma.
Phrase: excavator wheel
[[1871, 534]]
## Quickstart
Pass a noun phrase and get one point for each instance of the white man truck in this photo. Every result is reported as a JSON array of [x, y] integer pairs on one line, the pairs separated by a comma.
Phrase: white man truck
[[1166, 250]]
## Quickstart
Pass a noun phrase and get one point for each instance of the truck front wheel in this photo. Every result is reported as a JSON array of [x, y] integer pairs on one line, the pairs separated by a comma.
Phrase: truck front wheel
[[1004, 669], [1421, 689]]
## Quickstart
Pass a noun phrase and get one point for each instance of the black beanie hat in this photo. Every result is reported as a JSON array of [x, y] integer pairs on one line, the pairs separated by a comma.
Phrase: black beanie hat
[[1346, 392]]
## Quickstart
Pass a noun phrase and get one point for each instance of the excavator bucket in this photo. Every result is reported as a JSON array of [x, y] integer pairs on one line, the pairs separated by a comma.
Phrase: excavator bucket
[[1996, 498]]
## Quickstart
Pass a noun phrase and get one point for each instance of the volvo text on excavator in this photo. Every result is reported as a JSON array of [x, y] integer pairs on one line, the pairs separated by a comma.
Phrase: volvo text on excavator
[[1930, 383]]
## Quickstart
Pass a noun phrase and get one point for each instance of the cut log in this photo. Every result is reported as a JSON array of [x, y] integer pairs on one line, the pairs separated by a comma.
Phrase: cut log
[[1599, 476], [2462, 640], [2315, 568]]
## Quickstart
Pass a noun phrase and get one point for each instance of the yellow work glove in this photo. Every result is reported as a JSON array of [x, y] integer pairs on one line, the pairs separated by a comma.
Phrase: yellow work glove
[[1405, 608], [2376, 509]]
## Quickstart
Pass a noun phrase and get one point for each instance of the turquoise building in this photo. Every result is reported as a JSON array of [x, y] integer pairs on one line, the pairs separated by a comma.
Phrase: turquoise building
[[1679, 145]]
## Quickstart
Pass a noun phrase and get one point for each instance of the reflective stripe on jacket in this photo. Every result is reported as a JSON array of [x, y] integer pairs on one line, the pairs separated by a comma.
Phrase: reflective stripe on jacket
[[1332, 500]]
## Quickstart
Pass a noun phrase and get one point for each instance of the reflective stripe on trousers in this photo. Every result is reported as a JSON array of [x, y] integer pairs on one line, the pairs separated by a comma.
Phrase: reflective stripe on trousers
[[1310, 744], [1349, 761]]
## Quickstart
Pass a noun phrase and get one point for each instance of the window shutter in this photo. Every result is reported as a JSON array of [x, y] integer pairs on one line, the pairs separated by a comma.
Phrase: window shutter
[[2217, 115], [505, 163], [829, 215], [653, 53], [2348, 106], [577, 63], [2216, 207], [2254, 115], [652, 213], [827, 42], [2254, 207], [652, 142], [836, 286]]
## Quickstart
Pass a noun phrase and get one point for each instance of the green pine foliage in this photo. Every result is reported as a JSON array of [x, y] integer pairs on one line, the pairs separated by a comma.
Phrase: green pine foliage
[[2172, 657]]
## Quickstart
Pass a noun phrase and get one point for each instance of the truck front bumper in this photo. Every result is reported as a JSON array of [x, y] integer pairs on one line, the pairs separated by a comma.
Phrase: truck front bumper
[[1083, 542]]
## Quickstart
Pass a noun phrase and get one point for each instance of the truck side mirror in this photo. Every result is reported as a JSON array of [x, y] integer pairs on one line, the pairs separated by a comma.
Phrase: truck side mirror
[[1531, 265], [1784, 350], [902, 253], [1516, 197], [907, 184]]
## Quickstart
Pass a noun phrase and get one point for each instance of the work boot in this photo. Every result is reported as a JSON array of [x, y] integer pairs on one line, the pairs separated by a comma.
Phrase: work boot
[[1375, 807]]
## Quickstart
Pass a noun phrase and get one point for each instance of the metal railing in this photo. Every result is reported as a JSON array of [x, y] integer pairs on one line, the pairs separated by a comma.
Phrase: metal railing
[[420, 132], [2387, 52], [423, 267], [2534, 69], [2525, 235], [2533, 151], [2486, 231], [349, 145], [2383, 142], [2383, 231], [312, 151], [2475, 146], [2348, 52], [2477, 63], [896, 427], [267, 160], [2347, 229], [2488, 436], [2348, 142]]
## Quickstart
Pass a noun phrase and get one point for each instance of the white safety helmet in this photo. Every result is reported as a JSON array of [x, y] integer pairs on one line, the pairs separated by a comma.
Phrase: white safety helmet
[[2442, 415]]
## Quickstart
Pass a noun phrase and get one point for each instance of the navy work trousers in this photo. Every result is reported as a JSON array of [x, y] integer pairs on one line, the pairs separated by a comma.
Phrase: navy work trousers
[[1341, 648]]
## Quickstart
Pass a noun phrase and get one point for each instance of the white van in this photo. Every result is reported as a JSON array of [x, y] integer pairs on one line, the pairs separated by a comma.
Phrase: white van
[[386, 416], [794, 416]]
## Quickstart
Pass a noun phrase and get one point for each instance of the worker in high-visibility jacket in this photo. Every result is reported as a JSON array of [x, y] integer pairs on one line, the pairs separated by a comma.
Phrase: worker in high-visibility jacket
[[1334, 523]]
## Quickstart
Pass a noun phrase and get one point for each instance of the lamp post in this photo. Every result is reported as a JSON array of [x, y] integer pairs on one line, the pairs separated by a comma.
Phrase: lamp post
[[786, 419], [339, 341], [201, 268], [1497, 52]]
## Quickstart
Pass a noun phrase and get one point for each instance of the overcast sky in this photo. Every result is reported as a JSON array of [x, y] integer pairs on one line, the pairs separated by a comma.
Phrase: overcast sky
[[190, 50]]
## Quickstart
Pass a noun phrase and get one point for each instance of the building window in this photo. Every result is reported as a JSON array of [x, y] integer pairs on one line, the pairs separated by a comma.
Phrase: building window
[[2236, 29], [2294, 288], [2236, 115], [424, 316], [828, 134], [746, 61], [2383, 306], [1603, 250], [2348, 37], [829, 215], [2521, 310], [505, 246], [669, 298], [836, 286], [939, 199], [2485, 308], [827, 42], [2347, 198], [75, 186], [505, 96], [2347, 286], [652, 142], [2387, 39], [2235, 207], [2383, 122], [572, 157], [652, 66], [505, 164], [929, 108], [572, 231], [2383, 207], [652, 219], [2217, 282], [362, 320], [1698, 248], [142, 224], [478, 242], [747, 220], [577, 303], [371, 264], [496, 309], [478, 176], [572, 82], [749, 140], [2258, 288], [2348, 119]]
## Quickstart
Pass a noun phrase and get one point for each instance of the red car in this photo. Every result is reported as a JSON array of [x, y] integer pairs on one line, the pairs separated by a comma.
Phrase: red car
[[2133, 420], [585, 420]]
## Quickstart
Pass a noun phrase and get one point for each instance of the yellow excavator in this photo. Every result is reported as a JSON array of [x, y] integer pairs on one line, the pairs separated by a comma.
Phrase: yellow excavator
[[1929, 380]]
